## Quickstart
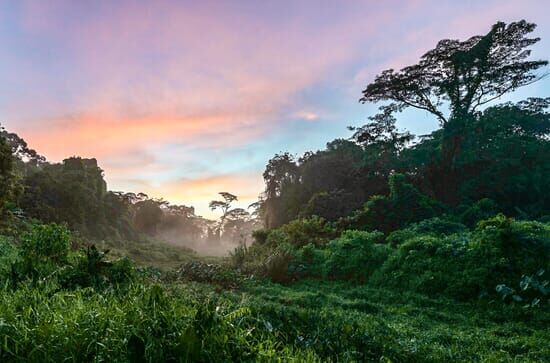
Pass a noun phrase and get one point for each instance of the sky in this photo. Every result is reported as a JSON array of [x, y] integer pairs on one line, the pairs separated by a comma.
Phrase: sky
[[185, 99]]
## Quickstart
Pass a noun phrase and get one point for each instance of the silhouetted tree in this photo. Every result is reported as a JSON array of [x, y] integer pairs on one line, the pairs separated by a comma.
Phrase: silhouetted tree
[[465, 76]]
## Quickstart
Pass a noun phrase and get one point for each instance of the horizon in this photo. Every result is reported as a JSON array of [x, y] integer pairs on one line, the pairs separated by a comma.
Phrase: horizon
[[182, 101]]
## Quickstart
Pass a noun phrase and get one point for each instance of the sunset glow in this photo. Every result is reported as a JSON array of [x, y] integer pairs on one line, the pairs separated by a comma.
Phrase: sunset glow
[[184, 99]]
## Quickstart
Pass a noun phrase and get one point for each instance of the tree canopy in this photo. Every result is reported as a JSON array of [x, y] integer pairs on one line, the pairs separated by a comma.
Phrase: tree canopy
[[465, 74]]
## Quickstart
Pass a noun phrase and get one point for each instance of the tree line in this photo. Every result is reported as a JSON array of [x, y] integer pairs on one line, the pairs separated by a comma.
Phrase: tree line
[[495, 153]]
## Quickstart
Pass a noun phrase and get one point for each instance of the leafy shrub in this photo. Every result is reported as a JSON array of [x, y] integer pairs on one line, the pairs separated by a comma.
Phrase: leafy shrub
[[434, 226], [238, 256], [482, 209], [260, 236], [276, 265], [523, 245], [46, 242], [301, 232], [404, 205], [92, 269], [465, 266], [533, 290], [355, 255], [308, 261], [431, 265], [44, 248], [122, 271], [9, 256]]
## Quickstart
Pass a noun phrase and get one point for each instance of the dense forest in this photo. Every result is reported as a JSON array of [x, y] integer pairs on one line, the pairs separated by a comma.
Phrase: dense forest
[[384, 246]]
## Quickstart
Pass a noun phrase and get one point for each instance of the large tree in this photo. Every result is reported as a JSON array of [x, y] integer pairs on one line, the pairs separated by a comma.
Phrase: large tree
[[465, 75], [453, 81]]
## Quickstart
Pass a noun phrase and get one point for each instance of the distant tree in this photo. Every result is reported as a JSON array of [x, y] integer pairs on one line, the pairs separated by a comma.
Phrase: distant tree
[[506, 157], [233, 220], [7, 176], [281, 173], [148, 216], [223, 205]]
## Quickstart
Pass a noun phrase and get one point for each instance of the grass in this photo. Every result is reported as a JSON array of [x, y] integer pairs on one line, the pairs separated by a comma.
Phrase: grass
[[154, 253], [329, 316], [262, 321]]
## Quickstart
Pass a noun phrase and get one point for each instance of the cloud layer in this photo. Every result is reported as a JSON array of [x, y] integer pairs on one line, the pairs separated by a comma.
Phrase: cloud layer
[[186, 99]]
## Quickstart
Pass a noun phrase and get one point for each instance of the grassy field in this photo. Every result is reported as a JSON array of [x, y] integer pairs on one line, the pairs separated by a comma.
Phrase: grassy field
[[261, 321], [343, 322]]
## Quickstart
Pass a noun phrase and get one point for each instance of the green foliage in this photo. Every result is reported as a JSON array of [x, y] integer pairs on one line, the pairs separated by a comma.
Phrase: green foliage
[[434, 226], [92, 269], [144, 323], [303, 231], [260, 236], [465, 266], [524, 245], [148, 216], [534, 291], [355, 255], [9, 257], [44, 248], [347, 322], [482, 209], [49, 242], [404, 205], [308, 261], [74, 192], [212, 273], [276, 265], [7, 174]]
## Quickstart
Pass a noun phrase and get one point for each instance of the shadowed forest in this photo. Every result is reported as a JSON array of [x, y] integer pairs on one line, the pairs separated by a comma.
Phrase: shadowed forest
[[384, 246]]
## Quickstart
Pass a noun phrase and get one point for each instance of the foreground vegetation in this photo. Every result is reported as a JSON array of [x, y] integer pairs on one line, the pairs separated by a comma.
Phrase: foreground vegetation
[[307, 321], [405, 303]]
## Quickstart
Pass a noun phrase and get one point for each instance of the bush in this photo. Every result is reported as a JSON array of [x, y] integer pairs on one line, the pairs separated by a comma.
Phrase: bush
[[238, 256], [92, 269], [355, 256], [431, 265], [523, 245], [534, 290], [466, 266], [308, 261], [260, 236], [482, 209], [301, 232], [9, 256], [404, 205], [44, 249], [434, 226], [122, 271], [276, 265]]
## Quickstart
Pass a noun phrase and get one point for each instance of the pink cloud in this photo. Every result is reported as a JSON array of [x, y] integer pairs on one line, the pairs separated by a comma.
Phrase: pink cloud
[[201, 191], [141, 75]]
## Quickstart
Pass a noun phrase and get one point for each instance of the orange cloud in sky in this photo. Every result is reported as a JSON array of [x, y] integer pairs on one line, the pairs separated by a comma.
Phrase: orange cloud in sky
[[131, 83], [199, 192], [101, 136]]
